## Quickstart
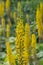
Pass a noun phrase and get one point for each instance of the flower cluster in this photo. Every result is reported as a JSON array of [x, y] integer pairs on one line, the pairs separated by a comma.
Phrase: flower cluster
[[39, 19], [23, 43]]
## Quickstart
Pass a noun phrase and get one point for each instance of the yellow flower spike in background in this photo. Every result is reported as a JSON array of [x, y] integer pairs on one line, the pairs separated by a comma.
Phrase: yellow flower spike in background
[[1, 8], [14, 16], [42, 20], [39, 21], [41, 14], [9, 22], [27, 34], [33, 44], [8, 30], [19, 7], [27, 40], [3, 22], [33, 41], [41, 8], [7, 5], [11, 59], [27, 18]]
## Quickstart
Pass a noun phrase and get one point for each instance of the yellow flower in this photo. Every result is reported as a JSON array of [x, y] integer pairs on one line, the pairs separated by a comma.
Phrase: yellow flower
[[27, 42], [1, 8], [3, 22], [33, 40], [7, 30], [39, 21], [41, 8], [33, 44], [39, 17], [27, 34], [19, 10], [9, 22], [15, 17], [11, 58], [19, 7], [7, 5], [41, 12], [20, 41]]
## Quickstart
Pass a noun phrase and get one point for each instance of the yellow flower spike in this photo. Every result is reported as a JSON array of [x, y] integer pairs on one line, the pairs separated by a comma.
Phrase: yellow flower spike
[[33, 41], [20, 42], [9, 22], [39, 16], [27, 34], [7, 5], [19, 7], [27, 41], [25, 57], [3, 22], [8, 30], [41, 12], [1, 8], [10, 56], [14, 15], [41, 8], [11, 59], [33, 44], [39, 21]]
